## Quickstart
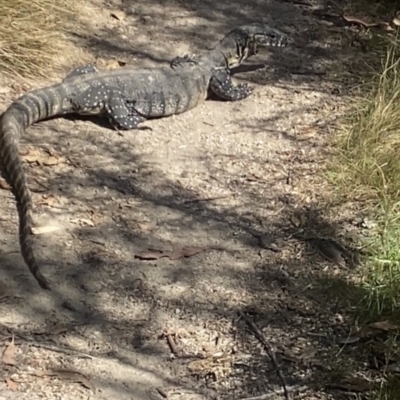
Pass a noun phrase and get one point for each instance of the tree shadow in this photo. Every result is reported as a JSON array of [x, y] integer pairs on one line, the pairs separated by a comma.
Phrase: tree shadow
[[120, 306], [198, 26], [296, 298]]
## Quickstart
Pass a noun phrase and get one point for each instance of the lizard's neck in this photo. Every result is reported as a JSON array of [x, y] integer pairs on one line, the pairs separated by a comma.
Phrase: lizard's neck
[[231, 51], [223, 56], [217, 57]]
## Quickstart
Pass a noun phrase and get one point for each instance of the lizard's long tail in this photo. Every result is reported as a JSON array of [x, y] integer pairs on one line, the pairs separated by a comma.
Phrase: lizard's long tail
[[28, 109]]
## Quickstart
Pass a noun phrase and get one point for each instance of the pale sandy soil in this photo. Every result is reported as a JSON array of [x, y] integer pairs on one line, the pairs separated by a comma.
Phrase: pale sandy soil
[[232, 175]]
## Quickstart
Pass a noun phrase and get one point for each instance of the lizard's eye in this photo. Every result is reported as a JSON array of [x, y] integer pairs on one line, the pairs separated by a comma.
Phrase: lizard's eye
[[272, 36]]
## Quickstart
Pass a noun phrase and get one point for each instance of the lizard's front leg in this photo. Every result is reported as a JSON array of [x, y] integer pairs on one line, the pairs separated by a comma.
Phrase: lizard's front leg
[[222, 85]]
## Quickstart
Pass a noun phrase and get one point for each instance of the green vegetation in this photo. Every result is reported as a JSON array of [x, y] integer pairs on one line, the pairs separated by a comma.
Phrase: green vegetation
[[366, 171]]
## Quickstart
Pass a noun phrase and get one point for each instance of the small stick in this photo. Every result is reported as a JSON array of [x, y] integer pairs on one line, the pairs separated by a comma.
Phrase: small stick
[[61, 350], [366, 24], [269, 395], [52, 347], [258, 334], [172, 345], [207, 199], [302, 3], [162, 393]]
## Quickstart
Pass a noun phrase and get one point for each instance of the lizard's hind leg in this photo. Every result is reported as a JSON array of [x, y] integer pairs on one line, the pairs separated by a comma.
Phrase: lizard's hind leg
[[222, 85], [122, 115]]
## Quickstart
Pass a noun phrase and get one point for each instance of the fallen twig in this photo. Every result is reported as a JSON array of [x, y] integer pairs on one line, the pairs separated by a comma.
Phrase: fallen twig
[[341, 19], [52, 347], [172, 345], [266, 396], [301, 3], [162, 393], [74, 376], [154, 254], [366, 24], [258, 334], [207, 199]]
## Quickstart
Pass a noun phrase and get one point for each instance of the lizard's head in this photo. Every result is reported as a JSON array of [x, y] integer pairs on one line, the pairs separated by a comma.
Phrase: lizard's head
[[247, 39], [263, 35]]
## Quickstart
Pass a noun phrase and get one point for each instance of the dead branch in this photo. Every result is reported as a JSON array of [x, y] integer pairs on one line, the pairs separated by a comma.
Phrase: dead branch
[[260, 337]]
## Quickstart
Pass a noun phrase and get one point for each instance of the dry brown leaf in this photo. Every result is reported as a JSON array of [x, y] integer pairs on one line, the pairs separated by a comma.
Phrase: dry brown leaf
[[9, 353], [351, 384], [151, 255], [4, 185], [303, 219], [384, 326], [295, 221], [107, 64], [113, 64], [47, 201], [57, 329], [41, 184], [51, 160], [176, 254], [4, 291], [367, 332], [30, 155], [11, 385], [86, 222], [70, 375], [145, 227], [83, 222], [185, 252], [42, 158], [4, 90], [385, 25], [360, 21], [118, 14], [219, 367], [40, 230], [331, 250], [348, 340], [308, 353], [396, 19], [307, 133]]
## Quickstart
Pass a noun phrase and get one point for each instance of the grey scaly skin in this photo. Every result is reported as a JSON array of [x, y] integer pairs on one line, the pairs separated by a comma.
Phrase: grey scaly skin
[[127, 96], [237, 46]]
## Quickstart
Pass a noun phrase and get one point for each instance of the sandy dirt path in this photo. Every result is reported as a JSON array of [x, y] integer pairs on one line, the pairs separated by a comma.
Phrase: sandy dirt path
[[241, 176]]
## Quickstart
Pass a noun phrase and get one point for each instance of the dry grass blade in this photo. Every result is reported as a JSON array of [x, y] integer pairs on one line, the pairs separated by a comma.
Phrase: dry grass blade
[[9, 354], [370, 142], [32, 35], [367, 173], [70, 375], [258, 334]]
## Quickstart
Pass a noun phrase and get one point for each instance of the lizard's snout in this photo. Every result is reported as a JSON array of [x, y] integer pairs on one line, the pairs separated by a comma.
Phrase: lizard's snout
[[273, 40], [278, 41]]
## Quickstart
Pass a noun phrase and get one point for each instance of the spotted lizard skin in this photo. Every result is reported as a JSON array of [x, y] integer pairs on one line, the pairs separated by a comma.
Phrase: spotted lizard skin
[[127, 96]]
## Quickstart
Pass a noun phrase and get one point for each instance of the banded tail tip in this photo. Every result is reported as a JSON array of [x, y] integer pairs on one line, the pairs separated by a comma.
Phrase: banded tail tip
[[42, 281]]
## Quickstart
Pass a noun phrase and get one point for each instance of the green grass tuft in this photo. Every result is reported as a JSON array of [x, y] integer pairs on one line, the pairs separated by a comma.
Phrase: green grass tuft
[[367, 171]]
